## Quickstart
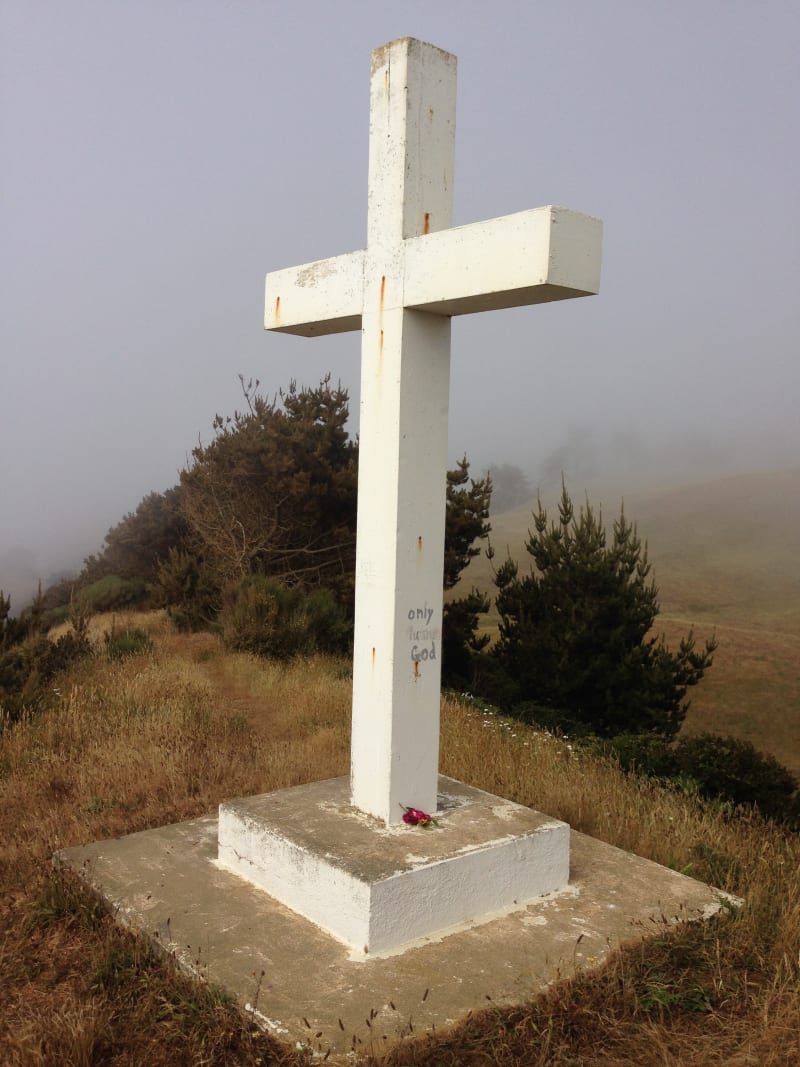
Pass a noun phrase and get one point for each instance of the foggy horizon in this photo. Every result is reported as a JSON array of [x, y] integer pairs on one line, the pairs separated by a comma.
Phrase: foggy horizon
[[161, 158], [611, 463]]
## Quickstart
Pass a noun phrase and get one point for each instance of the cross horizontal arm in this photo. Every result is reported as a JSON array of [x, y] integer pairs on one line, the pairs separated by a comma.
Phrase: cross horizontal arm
[[546, 253], [316, 298]]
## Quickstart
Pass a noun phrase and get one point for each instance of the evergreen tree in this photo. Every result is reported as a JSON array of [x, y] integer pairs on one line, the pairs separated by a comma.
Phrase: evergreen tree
[[466, 520], [5, 616], [189, 589], [510, 487], [29, 659], [466, 526], [140, 542], [575, 633], [275, 491]]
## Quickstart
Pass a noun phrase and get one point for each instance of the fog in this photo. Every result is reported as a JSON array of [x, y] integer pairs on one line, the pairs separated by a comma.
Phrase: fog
[[160, 157]]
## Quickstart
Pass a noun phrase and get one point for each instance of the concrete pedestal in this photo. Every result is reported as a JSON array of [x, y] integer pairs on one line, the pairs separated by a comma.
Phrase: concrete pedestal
[[306, 986], [380, 888]]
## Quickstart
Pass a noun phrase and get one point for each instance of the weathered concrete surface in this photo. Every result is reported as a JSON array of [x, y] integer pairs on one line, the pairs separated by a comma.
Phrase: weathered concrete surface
[[167, 884], [379, 887]]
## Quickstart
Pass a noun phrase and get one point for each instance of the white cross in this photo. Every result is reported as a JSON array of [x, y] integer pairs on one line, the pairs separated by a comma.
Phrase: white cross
[[401, 291]]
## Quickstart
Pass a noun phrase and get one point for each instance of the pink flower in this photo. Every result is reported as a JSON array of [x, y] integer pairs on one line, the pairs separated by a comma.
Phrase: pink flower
[[416, 817]]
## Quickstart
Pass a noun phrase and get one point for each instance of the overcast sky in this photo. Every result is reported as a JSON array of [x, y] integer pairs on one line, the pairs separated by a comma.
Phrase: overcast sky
[[159, 156]]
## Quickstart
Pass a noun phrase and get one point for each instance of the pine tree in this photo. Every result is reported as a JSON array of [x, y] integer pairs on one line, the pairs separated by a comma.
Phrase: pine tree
[[466, 526], [576, 633], [138, 545], [275, 491], [466, 520]]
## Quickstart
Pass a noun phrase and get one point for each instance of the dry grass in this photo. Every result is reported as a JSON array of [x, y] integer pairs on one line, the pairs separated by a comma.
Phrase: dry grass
[[752, 691], [148, 740], [129, 745]]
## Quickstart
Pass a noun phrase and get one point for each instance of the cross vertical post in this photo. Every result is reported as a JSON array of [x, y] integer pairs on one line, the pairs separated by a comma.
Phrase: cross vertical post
[[405, 383], [415, 273]]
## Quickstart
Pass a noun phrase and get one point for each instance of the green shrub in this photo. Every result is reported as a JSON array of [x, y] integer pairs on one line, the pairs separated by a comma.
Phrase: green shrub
[[554, 720], [189, 590], [28, 668], [734, 770], [262, 616], [717, 768], [122, 643], [642, 754], [68, 649], [55, 616], [113, 593]]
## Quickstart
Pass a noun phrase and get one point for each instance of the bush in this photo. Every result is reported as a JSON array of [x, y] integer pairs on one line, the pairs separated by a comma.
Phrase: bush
[[113, 593], [715, 767], [190, 591], [642, 754], [123, 643], [28, 667], [734, 770], [554, 720], [68, 649], [275, 490], [262, 616]]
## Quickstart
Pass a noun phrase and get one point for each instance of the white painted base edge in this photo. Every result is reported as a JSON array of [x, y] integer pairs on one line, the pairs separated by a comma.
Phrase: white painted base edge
[[393, 897]]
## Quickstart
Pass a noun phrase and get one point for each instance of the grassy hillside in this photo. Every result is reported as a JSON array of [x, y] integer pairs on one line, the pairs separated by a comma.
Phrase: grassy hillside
[[726, 558], [134, 743]]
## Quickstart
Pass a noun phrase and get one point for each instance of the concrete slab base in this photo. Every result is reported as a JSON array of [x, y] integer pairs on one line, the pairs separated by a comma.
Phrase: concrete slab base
[[166, 883], [379, 888]]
